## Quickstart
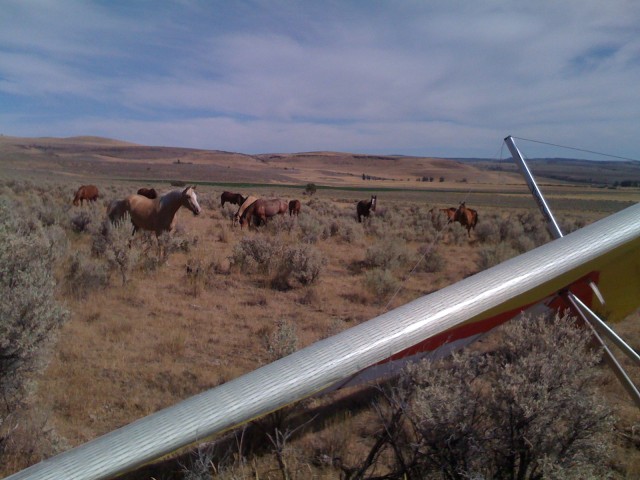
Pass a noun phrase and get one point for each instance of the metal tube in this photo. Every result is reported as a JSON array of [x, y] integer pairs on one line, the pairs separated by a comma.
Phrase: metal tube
[[618, 370], [533, 187], [604, 329]]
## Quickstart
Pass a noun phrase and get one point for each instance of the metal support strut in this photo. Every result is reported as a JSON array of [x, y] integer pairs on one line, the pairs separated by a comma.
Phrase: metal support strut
[[597, 325]]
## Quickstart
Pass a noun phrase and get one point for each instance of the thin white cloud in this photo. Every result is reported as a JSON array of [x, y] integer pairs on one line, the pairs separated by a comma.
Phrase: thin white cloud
[[285, 76]]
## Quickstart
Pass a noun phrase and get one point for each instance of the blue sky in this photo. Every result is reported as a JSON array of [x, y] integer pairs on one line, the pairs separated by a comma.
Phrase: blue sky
[[442, 78]]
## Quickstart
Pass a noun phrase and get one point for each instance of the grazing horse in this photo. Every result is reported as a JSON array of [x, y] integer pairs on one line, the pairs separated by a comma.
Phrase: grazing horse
[[158, 215], [262, 209], [294, 207], [467, 217], [231, 197], [86, 192], [250, 200], [363, 208], [148, 192]]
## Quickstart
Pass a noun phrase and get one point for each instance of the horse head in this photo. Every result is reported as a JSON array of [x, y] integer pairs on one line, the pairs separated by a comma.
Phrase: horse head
[[373, 202], [190, 200]]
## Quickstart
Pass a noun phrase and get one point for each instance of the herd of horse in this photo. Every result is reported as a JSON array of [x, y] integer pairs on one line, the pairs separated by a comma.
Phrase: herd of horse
[[149, 211]]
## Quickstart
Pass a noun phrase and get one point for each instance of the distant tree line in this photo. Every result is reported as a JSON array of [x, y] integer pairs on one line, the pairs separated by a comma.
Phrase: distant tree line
[[373, 177], [627, 183], [429, 179]]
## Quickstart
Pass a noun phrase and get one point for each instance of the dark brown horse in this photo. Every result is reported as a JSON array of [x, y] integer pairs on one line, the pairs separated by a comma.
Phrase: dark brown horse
[[261, 209], [364, 207], [116, 210], [86, 192], [148, 192], [231, 197], [294, 207], [158, 215]]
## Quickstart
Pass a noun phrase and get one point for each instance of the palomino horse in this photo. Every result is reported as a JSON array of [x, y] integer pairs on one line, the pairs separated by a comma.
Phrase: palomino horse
[[231, 197], [262, 209], [294, 207], [250, 200], [86, 192], [148, 192], [158, 215], [363, 208]]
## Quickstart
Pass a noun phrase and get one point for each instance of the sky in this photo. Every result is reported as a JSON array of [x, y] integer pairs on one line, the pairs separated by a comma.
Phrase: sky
[[447, 78]]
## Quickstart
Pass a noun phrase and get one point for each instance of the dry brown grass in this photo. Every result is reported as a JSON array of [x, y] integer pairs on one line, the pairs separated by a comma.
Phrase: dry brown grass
[[130, 350]]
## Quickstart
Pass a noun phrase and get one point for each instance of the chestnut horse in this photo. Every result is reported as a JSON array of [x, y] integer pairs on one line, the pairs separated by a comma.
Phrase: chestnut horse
[[448, 213], [86, 192], [262, 209], [364, 207], [148, 192], [158, 215], [467, 217], [231, 197], [294, 207]]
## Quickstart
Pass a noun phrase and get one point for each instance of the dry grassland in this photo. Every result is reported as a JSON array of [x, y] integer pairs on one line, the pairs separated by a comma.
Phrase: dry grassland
[[131, 349]]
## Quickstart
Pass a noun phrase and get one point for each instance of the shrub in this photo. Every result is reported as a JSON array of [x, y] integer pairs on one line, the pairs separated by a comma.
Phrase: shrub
[[488, 231], [491, 256], [29, 314], [523, 243], [459, 234], [387, 254], [282, 341], [432, 260], [113, 241], [85, 275], [195, 273], [300, 263], [376, 227], [510, 228], [254, 253], [529, 409], [58, 242], [310, 189], [48, 210], [176, 241], [381, 283], [80, 221], [312, 228], [280, 223]]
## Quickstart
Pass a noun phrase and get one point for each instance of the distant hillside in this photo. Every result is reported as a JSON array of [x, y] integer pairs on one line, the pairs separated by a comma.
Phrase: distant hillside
[[572, 170], [101, 157], [98, 157]]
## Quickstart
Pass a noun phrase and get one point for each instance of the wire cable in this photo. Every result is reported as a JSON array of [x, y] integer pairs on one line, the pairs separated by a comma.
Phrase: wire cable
[[578, 149]]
